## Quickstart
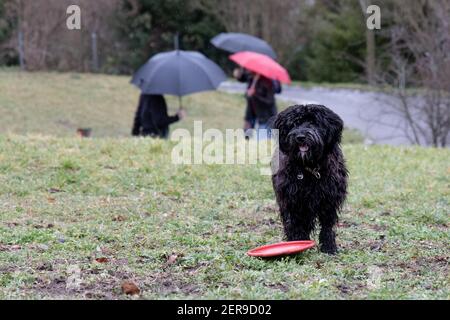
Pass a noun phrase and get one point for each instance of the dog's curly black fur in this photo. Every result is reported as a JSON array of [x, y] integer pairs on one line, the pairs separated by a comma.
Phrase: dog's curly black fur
[[311, 180]]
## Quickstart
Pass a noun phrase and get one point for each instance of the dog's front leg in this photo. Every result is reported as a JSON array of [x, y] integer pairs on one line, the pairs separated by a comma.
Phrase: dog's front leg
[[327, 236], [295, 228]]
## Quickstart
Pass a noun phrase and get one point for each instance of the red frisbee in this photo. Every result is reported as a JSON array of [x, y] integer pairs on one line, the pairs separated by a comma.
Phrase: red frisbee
[[281, 249]]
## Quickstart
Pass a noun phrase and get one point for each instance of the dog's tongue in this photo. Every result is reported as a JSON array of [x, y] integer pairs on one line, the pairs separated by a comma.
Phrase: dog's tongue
[[304, 148]]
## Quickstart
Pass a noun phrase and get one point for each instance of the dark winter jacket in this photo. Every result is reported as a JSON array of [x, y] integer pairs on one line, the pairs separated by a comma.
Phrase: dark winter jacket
[[262, 105], [151, 117]]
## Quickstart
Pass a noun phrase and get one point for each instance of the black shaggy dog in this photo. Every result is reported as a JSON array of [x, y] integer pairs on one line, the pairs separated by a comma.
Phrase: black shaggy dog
[[311, 180]]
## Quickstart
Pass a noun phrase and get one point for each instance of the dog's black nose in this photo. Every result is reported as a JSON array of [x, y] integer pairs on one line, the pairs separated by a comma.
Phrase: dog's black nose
[[300, 137]]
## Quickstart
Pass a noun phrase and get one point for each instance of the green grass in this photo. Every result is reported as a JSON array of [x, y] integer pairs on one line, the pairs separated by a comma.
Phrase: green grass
[[58, 104], [65, 202]]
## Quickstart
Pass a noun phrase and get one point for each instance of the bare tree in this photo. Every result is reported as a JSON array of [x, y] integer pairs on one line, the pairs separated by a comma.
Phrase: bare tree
[[370, 47], [281, 23], [420, 65], [47, 43]]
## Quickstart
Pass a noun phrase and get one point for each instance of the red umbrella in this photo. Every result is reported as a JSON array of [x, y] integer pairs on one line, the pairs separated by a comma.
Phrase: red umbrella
[[261, 64]]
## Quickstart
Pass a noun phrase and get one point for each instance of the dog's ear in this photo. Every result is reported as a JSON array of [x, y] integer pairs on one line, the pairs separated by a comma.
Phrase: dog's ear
[[271, 122], [277, 122], [283, 123], [335, 126]]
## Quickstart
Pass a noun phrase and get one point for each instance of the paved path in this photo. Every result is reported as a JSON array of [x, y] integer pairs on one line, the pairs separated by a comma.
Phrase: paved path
[[366, 111]]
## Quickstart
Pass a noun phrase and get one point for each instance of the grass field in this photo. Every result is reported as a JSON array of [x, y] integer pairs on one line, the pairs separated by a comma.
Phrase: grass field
[[78, 217], [58, 104]]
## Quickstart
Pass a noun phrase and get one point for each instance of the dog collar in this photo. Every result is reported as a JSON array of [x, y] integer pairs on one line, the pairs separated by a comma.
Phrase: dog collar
[[315, 172]]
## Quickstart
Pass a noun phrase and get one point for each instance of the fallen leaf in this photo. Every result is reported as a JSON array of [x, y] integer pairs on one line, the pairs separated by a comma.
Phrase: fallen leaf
[[12, 224], [172, 259], [344, 288], [10, 247], [46, 266], [42, 247], [54, 190], [60, 279], [102, 260], [51, 200], [41, 226], [129, 288], [376, 246], [105, 251]]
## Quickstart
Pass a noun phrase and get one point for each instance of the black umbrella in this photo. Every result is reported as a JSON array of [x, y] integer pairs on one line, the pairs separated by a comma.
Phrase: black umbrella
[[178, 73], [237, 42]]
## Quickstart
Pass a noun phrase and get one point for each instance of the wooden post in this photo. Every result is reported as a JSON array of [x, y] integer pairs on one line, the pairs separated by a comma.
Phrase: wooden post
[[20, 40], [177, 41], [370, 46], [21, 50], [95, 64]]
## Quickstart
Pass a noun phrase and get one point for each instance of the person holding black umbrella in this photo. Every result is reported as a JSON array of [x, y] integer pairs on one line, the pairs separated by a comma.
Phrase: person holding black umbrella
[[152, 119], [177, 73]]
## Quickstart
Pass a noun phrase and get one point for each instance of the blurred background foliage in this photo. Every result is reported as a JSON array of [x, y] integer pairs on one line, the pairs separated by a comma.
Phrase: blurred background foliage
[[317, 40]]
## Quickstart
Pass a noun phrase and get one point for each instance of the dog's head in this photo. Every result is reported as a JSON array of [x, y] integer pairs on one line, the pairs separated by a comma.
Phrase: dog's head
[[308, 132]]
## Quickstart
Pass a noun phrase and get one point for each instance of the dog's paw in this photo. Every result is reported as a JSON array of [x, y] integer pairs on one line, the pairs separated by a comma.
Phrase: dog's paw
[[331, 250]]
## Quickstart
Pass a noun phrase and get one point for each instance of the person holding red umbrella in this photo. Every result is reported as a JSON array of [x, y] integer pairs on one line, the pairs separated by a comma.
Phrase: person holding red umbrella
[[262, 73], [261, 105], [257, 88]]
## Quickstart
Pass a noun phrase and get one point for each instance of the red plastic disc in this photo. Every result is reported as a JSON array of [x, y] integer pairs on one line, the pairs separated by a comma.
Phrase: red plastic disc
[[281, 249]]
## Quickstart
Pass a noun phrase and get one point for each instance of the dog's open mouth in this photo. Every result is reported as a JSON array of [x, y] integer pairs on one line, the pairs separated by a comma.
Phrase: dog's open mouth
[[304, 148]]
